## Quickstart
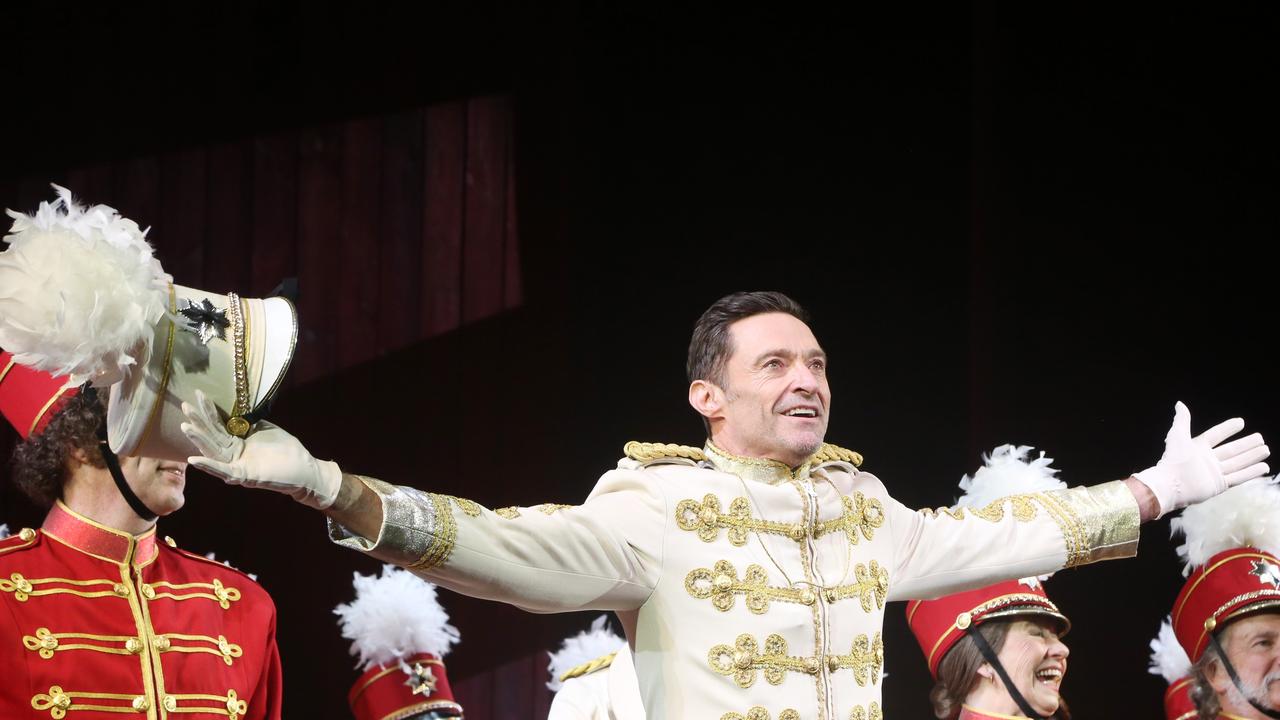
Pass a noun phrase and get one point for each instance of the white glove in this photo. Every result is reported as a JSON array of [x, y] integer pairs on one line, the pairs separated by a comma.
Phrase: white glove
[[1195, 469], [268, 458]]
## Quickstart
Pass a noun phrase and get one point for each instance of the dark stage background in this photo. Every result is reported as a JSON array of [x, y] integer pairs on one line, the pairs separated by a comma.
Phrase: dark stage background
[[1011, 224]]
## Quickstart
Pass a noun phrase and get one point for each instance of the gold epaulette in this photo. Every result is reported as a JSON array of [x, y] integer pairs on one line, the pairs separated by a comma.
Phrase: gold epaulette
[[831, 453], [645, 452], [589, 667]]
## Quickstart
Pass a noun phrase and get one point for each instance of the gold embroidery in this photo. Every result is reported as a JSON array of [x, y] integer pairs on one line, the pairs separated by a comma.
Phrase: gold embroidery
[[861, 515], [956, 514], [549, 508], [589, 666], [835, 453], [744, 659], [1023, 506], [645, 452], [815, 611], [510, 513], [706, 519], [58, 702], [444, 534], [1073, 533], [24, 588], [872, 712], [721, 584], [865, 658], [872, 584], [467, 506], [230, 704], [46, 643], [759, 713], [219, 593], [228, 651]]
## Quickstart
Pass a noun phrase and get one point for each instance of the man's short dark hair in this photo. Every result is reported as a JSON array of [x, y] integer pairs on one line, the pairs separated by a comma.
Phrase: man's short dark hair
[[40, 464], [711, 346]]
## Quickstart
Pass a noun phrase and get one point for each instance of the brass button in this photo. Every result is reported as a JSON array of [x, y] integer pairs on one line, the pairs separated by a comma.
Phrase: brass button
[[742, 659], [120, 589], [833, 663], [1210, 624], [170, 703], [60, 699], [27, 534], [811, 665], [161, 643], [170, 542], [49, 642], [133, 645], [141, 704], [21, 583], [148, 591], [963, 620], [808, 597], [708, 516], [830, 595], [723, 582], [797, 532]]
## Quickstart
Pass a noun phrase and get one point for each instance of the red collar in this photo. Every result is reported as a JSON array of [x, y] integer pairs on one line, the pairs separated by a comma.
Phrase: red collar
[[92, 538]]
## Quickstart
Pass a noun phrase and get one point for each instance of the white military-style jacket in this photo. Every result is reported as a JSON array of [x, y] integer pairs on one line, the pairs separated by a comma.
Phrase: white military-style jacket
[[603, 689], [748, 590]]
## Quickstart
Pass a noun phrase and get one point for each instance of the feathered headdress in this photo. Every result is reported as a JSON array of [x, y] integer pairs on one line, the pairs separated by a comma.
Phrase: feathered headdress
[[1168, 658], [1247, 515], [1007, 471], [80, 291], [394, 616], [584, 647]]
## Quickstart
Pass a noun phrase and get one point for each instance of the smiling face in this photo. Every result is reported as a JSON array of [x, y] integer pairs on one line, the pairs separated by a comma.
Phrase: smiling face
[[775, 401], [159, 484], [1252, 644], [1036, 661]]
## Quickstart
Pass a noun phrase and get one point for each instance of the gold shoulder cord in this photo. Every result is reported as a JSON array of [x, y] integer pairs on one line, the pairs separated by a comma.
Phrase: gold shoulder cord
[[236, 424], [645, 452]]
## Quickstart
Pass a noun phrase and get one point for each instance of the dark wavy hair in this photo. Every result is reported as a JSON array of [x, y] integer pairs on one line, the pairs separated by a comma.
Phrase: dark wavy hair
[[40, 464], [958, 671]]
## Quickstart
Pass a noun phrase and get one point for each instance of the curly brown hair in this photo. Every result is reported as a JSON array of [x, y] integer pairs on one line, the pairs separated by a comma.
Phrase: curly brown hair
[[958, 671], [40, 464]]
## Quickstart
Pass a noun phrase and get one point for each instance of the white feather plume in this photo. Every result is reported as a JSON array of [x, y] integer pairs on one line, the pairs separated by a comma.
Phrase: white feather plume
[[583, 647], [1007, 471], [1168, 658], [80, 291], [1245, 515], [394, 616]]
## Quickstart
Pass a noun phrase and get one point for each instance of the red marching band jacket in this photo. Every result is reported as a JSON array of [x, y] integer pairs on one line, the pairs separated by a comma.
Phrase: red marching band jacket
[[97, 624]]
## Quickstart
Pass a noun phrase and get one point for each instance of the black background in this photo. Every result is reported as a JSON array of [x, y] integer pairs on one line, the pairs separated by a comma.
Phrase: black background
[[1012, 223]]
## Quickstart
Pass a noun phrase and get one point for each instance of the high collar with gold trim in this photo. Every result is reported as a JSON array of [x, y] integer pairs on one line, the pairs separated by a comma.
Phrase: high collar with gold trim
[[93, 538], [770, 472]]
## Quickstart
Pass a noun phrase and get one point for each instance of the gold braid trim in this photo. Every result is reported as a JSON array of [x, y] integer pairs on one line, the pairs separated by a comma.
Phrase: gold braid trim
[[721, 585], [589, 666], [510, 513], [744, 660], [759, 713], [871, 712], [861, 514], [707, 520], [444, 534], [1068, 522], [646, 452], [835, 453]]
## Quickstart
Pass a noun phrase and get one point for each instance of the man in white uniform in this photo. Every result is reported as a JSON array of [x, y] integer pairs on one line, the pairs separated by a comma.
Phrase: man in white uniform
[[750, 575]]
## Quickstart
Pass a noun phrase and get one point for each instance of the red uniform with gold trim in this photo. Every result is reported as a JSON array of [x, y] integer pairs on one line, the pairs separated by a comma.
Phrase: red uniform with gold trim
[[95, 623]]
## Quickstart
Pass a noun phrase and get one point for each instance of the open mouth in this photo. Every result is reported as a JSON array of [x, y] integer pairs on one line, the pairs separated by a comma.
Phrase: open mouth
[[801, 412], [1049, 675]]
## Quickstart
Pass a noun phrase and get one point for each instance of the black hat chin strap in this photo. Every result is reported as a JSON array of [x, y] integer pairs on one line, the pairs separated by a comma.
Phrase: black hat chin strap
[[990, 656], [113, 467], [1235, 679]]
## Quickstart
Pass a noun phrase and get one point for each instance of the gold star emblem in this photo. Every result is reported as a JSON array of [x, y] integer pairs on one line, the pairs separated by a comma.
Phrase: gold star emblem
[[422, 680]]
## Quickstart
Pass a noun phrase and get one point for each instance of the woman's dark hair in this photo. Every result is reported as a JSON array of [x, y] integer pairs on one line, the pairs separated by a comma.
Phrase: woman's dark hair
[[958, 671], [40, 464]]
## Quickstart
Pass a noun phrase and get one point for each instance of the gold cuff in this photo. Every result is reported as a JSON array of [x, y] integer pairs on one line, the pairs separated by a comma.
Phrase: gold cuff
[[418, 530], [1098, 522]]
